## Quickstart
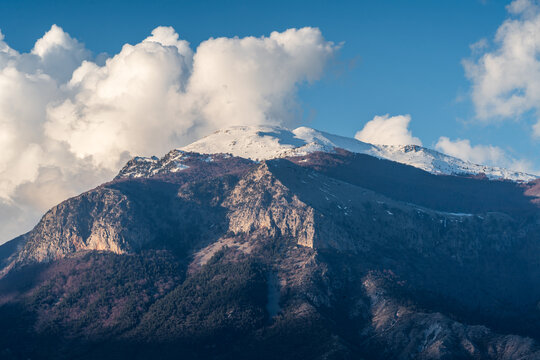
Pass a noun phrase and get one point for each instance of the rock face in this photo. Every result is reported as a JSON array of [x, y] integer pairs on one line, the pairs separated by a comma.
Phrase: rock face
[[260, 204], [327, 255], [92, 221]]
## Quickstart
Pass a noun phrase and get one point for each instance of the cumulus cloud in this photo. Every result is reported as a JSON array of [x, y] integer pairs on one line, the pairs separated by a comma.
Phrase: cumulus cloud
[[68, 122], [506, 77], [157, 94], [388, 130], [482, 154]]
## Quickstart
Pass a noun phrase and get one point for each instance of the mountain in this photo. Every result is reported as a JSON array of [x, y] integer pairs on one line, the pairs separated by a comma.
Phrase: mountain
[[267, 142], [296, 254]]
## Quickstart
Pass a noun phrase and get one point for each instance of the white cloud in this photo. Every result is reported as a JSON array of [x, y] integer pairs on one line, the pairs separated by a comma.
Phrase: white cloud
[[67, 123], [462, 148], [157, 94], [506, 80], [253, 80], [388, 130], [482, 154], [131, 105], [59, 54]]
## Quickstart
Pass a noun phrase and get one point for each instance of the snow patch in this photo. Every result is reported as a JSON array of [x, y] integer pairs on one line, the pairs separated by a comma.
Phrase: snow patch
[[179, 167]]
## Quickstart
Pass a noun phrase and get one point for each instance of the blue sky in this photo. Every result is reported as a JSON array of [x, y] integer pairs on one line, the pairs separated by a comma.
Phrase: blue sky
[[399, 57]]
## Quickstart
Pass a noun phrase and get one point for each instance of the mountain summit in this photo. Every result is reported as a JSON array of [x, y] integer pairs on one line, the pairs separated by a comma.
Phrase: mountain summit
[[267, 142], [275, 244]]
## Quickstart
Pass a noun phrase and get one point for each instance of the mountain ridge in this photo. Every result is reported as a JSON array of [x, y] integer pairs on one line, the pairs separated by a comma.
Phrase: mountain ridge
[[267, 142]]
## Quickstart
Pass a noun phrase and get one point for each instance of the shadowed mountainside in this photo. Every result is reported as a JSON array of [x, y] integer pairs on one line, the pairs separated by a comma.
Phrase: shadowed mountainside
[[328, 255]]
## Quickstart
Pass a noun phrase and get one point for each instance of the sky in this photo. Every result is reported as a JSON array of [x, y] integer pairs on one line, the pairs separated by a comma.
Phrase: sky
[[86, 85]]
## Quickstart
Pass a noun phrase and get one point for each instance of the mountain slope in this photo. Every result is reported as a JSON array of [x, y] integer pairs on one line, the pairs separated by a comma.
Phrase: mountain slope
[[266, 142], [321, 256]]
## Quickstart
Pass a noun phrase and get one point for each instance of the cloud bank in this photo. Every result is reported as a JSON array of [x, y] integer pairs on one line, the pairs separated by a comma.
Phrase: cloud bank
[[388, 130], [506, 78], [67, 123]]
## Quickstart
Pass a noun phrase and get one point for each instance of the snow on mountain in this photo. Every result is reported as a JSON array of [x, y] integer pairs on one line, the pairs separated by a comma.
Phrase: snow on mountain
[[268, 142], [438, 163], [174, 161]]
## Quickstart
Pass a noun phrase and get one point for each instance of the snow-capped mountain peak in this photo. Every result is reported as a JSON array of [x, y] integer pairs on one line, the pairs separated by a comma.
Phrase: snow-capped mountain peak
[[268, 142]]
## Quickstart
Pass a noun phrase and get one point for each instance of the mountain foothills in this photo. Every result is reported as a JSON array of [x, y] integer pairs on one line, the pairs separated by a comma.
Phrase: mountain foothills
[[265, 243]]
